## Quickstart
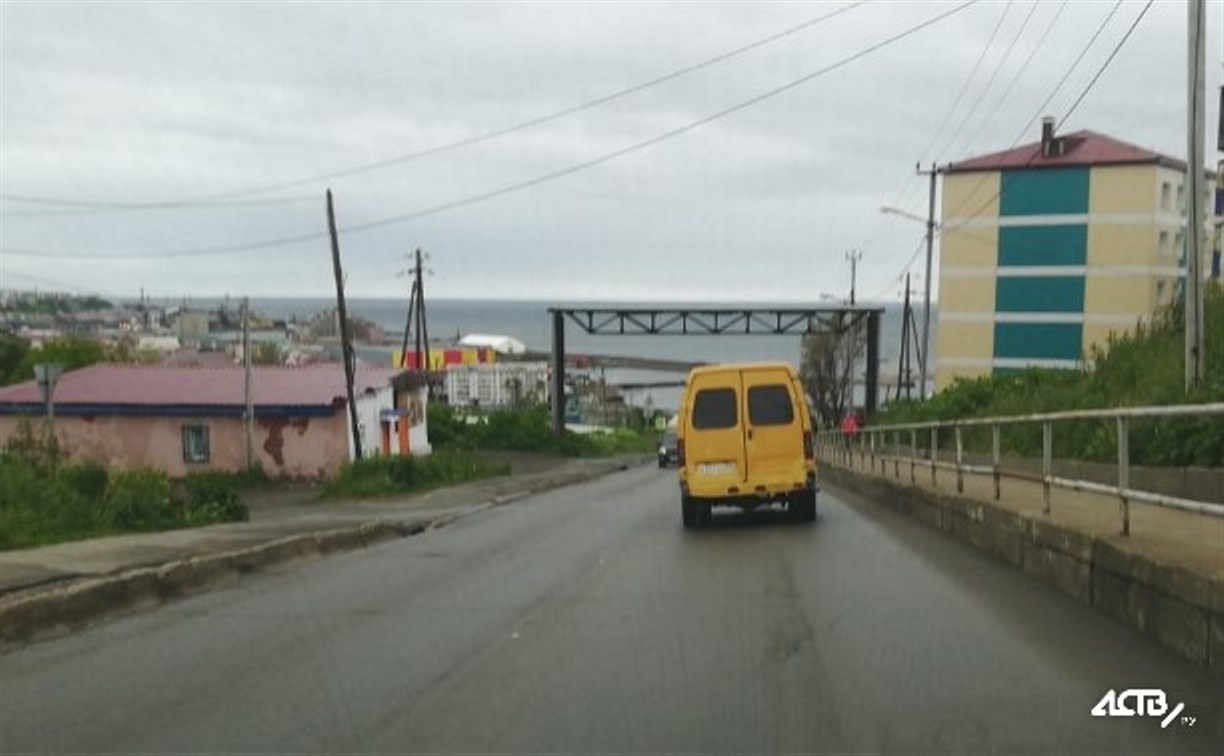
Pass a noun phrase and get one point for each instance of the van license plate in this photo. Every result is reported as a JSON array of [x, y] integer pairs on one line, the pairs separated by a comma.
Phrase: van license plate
[[716, 468]]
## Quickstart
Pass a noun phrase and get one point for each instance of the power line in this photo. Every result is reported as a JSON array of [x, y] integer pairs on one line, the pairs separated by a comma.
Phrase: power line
[[1019, 74], [525, 184], [82, 207], [902, 194], [1083, 93], [465, 142], [993, 75], [1041, 109], [1108, 60], [965, 87], [1024, 130]]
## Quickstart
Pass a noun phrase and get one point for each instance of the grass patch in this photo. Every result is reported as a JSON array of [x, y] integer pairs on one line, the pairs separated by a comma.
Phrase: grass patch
[[45, 500], [387, 476], [529, 430]]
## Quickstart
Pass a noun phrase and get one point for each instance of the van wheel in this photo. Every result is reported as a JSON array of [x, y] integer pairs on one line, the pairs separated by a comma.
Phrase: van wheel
[[688, 511], [803, 506]]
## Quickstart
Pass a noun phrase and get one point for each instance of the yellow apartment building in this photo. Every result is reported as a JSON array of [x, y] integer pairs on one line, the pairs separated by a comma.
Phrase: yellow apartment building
[[1048, 248]]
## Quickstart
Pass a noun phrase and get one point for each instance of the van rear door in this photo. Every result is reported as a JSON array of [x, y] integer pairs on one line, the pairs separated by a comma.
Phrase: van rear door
[[714, 450], [773, 428]]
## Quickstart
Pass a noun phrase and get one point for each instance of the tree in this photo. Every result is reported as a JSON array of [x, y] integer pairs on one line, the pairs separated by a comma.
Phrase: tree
[[13, 350], [265, 354], [827, 370], [70, 352]]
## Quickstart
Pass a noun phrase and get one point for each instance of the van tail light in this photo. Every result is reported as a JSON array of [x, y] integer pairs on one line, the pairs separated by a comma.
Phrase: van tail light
[[680, 452], [807, 446]]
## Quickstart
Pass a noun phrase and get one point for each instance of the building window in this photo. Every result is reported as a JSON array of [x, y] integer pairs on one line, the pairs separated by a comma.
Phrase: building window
[[1163, 249], [195, 443], [1181, 197], [1165, 198], [1179, 245], [1160, 292]]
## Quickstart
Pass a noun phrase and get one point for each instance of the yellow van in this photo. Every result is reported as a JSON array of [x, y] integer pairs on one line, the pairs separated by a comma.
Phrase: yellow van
[[745, 439]]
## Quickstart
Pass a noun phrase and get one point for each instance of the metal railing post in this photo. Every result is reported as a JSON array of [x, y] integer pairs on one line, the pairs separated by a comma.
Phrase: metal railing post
[[934, 451], [913, 453], [960, 454], [1047, 453], [1124, 472], [873, 454], [994, 456]]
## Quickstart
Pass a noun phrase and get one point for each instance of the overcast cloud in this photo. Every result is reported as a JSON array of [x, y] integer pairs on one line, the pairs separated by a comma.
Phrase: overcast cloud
[[127, 102]]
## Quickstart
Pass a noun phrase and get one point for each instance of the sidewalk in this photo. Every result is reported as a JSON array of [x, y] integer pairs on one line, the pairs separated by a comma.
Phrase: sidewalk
[[1169, 537], [1166, 579], [67, 584]]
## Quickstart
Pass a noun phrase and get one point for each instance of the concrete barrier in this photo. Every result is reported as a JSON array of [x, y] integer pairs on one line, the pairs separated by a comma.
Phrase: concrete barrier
[[1179, 609]]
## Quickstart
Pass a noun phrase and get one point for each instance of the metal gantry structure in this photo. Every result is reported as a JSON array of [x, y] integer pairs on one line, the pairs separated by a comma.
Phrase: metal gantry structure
[[710, 321]]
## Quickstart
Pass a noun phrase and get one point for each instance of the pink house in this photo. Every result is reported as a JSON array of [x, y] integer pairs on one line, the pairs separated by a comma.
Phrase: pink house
[[187, 419]]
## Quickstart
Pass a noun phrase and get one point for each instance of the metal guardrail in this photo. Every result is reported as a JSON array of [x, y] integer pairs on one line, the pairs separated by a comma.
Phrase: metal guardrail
[[832, 443]]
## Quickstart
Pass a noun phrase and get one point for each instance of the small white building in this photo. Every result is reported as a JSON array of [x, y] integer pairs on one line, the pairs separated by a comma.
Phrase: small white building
[[499, 344]]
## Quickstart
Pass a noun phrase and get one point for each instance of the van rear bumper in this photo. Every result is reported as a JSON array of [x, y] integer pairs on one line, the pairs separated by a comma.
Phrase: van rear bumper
[[740, 495]]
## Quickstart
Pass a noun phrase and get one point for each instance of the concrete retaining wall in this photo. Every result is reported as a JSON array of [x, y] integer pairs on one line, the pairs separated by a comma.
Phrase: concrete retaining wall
[[1179, 609]]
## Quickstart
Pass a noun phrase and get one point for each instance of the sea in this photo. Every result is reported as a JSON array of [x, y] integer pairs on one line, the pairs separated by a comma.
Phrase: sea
[[530, 322]]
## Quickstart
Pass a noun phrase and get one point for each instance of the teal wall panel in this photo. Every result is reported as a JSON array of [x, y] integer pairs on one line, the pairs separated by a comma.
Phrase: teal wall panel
[[1052, 341], [1044, 191], [1043, 245], [1039, 294]]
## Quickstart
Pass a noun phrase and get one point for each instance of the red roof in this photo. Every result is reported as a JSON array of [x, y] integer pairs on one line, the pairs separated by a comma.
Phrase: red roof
[[159, 385], [1080, 148]]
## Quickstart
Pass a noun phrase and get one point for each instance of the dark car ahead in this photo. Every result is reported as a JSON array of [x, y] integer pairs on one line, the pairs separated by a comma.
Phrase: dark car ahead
[[669, 454]]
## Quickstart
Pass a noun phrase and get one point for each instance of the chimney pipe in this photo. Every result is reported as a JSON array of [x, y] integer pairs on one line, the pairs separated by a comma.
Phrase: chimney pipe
[[1047, 136]]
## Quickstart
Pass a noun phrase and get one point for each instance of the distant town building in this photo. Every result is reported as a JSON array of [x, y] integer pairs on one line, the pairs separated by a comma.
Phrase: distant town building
[[444, 358], [499, 384], [1048, 248], [191, 326], [183, 420]]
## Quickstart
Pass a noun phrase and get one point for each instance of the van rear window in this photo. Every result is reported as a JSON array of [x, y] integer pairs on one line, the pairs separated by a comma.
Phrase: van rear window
[[714, 408], [770, 405]]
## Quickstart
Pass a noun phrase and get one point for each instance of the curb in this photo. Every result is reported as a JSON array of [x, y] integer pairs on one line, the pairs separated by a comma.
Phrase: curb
[[56, 609], [65, 608], [1172, 606]]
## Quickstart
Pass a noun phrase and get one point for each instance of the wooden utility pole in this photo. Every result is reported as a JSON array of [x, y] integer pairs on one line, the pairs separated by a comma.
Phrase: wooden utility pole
[[412, 296], [1195, 120], [346, 346], [924, 356], [248, 401], [904, 377], [422, 326]]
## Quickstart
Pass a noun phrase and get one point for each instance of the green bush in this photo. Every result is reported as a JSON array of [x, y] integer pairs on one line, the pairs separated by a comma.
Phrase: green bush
[[211, 498], [527, 430], [88, 478], [140, 500], [1144, 367], [384, 476], [43, 503]]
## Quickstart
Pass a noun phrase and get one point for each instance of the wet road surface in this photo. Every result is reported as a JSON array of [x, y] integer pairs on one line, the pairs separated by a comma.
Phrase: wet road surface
[[586, 619]]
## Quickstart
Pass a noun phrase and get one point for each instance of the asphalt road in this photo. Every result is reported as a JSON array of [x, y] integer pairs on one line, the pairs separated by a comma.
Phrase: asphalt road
[[586, 619]]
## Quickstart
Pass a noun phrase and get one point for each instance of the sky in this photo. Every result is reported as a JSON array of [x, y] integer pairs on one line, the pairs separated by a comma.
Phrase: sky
[[108, 105]]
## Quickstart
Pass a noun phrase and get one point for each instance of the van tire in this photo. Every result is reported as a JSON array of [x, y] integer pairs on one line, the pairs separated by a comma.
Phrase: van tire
[[688, 512], [803, 506]]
